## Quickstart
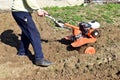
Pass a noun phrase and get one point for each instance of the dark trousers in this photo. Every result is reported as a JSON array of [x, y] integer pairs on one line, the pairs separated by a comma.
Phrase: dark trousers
[[29, 34]]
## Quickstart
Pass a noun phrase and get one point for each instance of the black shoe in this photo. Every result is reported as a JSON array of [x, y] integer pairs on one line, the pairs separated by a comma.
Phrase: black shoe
[[27, 53], [21, 54], [43, 63]]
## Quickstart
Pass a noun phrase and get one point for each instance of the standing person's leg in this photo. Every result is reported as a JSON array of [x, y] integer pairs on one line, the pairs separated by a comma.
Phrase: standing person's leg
[[28, 27], [24, 44]]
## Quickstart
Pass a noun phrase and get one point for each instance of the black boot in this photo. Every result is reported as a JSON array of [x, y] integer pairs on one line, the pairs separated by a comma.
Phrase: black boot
[[43, 63]]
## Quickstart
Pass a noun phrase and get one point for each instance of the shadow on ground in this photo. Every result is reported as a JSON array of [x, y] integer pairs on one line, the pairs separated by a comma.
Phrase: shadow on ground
[[8, 37]]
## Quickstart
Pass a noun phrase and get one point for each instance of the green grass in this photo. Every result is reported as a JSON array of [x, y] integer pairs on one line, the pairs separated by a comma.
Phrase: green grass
[[108, 13]]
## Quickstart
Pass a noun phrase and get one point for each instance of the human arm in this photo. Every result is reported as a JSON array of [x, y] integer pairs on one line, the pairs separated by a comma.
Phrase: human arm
[[34, 5]]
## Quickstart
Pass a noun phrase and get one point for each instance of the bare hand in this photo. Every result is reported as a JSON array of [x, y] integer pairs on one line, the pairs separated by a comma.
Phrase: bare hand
[[42, 13]]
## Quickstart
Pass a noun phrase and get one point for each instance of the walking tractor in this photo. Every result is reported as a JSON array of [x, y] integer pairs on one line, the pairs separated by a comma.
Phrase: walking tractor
[[84, 33]]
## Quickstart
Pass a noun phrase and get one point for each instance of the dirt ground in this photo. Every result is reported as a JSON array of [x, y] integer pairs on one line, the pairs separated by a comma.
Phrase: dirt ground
[[69, 64]]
